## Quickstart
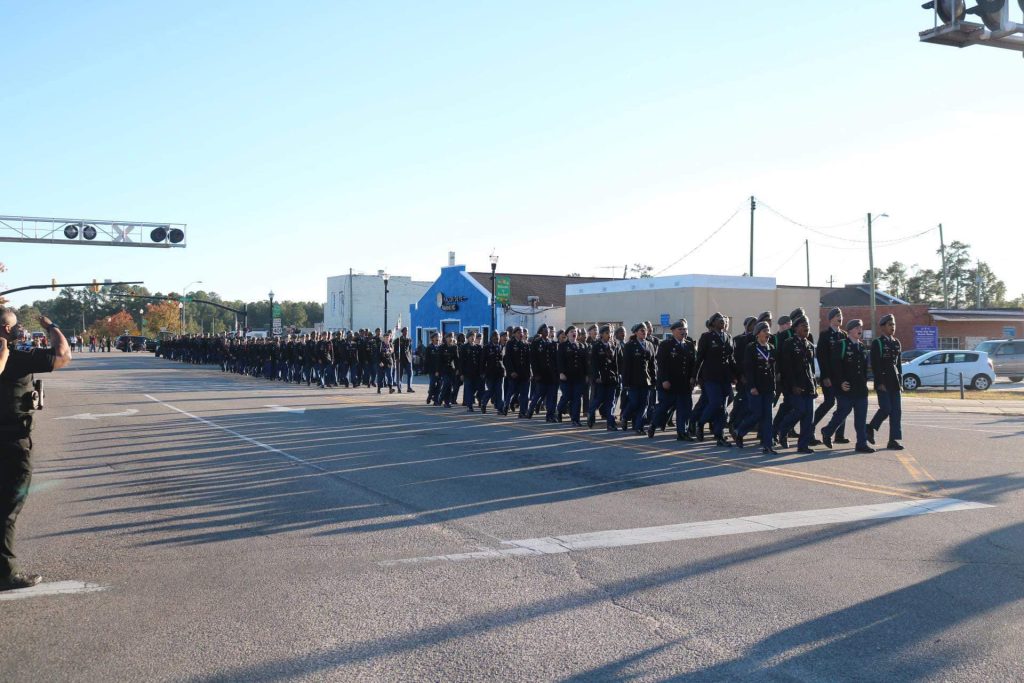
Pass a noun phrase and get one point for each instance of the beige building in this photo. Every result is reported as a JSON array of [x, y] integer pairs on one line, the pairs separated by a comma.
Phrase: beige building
[[663, 300]]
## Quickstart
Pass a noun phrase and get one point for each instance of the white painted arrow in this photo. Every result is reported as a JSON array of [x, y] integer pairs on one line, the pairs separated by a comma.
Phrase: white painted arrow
[[284, 409], [96, 416]]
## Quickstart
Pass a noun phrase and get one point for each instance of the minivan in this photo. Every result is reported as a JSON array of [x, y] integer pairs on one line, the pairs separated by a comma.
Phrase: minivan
[[1007, 357]]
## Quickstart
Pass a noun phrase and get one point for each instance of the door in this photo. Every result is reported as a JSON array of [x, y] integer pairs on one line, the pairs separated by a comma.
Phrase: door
[[931, 370]]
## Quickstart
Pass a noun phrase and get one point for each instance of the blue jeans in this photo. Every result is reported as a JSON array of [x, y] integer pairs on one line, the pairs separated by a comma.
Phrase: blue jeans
[[890, 405], [603, 400], [714, 411], [494, 390], [636, 409], [859, 406], [758, 413], [801, 410], [681, 400]]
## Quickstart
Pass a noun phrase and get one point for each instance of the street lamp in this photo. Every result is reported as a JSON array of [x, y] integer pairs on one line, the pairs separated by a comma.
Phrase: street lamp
[[181, 318], [871, 272], [385, 277], [271, 296], [494, 268], [142, 319]]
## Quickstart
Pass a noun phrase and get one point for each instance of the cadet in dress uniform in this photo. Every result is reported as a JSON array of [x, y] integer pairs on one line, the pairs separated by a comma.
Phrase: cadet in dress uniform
[[604, 379], [637, 370], [385, 362], [543, 362], [796, 358], [887, 367], [471, 365], [718, 365], [431, 356], [572, 372], [829, 337], [759, 372], [519, 369], [494, 375], [676, 365], [849, 374], [403, 356]]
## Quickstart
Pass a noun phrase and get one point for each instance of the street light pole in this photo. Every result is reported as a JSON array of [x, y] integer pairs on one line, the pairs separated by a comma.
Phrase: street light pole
[[385, 277], [271, 297], [184, 292], [494, 268], [871, 271]]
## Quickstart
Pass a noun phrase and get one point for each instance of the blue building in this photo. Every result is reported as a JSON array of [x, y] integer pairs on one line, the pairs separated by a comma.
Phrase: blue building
[[456, 302]]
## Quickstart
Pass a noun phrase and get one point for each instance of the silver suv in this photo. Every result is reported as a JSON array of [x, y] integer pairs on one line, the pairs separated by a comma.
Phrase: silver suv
[[1007, 357]]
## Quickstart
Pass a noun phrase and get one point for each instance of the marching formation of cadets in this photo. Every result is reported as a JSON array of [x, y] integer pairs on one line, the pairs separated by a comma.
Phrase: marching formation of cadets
[[758, 383]]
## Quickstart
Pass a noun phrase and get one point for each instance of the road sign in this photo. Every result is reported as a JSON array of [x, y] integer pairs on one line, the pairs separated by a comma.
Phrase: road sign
[[665, 320], [277, 326], [1010, 332], [185, 299], [926, 337], [503, 289], [276, 313]]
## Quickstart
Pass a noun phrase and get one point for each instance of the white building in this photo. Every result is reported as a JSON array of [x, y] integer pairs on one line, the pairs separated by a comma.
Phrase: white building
[[357, 301]]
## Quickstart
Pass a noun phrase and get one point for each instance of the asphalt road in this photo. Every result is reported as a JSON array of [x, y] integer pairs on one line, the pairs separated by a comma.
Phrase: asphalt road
[[197, 526]]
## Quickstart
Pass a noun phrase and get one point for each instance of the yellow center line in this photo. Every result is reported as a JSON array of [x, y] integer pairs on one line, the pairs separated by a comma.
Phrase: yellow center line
[[919, 473]]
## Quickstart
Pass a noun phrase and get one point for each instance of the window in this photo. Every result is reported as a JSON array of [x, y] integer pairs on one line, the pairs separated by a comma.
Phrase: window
[[1018, 347], [1006, 350], [937, 359], [962, 357], [949, 342]]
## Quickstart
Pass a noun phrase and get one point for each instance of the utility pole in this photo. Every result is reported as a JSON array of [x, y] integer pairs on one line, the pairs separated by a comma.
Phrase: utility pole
[[807, 250], [871, 270], [753, 207], [831, 281], [978, 283], [942, 251]]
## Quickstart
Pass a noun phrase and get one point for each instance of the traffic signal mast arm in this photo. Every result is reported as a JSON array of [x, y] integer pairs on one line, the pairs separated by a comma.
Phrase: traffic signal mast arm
[[995, 30], [94, 286]]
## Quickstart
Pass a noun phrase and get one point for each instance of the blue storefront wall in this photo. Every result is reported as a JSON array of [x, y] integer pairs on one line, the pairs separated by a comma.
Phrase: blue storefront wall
[[454, 288]]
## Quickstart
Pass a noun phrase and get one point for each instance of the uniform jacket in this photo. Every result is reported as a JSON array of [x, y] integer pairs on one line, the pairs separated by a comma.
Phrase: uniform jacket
[[637, 367], [796, 359], [715, 357], [676, 363], [604, 363], [759, 368], [849, 364], [886, 363], [572, 361], [828, 339]]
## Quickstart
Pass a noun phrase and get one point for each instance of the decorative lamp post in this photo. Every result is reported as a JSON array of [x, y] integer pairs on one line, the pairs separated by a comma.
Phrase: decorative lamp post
[[494, 268], [181, 318], [270, 295], [385, 277]]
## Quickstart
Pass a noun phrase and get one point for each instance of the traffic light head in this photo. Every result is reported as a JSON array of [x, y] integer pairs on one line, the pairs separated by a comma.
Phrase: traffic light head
[[948, 10]]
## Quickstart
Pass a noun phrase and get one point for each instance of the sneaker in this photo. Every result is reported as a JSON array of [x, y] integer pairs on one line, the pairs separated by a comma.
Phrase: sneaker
[[19, 580], [894, 446]]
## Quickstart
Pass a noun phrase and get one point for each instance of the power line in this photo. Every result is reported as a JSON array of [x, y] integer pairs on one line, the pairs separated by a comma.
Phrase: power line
[[788, 259], [705, 240], [818, 231]]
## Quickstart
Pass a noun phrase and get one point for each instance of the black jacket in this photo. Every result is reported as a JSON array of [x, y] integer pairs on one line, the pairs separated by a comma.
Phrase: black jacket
[[604, 366], [824, 352], [572, 361], [493, 362], [715, 357], [759, 368], [637, 367], [676, 364], [517, 359], [796, 359], [471, 361], [886, 363], [849, 364]]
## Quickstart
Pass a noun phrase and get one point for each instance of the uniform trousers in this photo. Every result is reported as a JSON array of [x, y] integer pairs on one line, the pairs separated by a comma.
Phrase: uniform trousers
[[890, 405], [828, 400], [680, 400], [758, 413], [847, 404], [603, 400], [15, 478], [801, 410]]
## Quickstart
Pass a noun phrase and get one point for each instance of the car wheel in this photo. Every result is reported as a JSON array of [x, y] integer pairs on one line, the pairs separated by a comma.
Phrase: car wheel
[[911, 382], [981, 382], [1015, 378]]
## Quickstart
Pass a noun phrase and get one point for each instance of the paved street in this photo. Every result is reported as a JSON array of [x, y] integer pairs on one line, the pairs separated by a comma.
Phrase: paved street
[[197, 526]]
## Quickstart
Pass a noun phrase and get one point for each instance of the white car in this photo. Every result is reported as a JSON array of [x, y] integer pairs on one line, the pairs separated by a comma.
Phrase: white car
[[939, 368]]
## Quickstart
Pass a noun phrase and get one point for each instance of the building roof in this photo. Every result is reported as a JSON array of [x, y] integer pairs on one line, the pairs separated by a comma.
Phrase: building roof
[[987, 315], [674, 282], [857, 295], [549, 288]]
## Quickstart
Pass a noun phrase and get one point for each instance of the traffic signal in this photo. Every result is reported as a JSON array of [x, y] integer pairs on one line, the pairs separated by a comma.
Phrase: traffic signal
[[166, 233], [947, 9], [994, 14], [53, 284], [71, 231], [95, 286]]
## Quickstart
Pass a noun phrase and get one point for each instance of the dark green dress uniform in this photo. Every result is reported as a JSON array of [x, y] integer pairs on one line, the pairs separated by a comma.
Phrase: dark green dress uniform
[[16, 407]]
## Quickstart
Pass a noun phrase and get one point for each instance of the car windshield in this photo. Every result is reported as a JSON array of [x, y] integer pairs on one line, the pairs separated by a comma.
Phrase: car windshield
[[987, 346]]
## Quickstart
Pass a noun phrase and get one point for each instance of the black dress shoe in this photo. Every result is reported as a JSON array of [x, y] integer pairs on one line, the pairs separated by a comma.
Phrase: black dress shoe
[[612, 428], [805, 451], [409, 389], [871, 435], [700, 432], [483, 408], [577, 423], [19, 580], [590, 421], [826, 439], [864, 449], [769, 451], [842, 439], [792, 434], [739, 441], [815, 442], [529, 413], [894, 446], [638, 432], [722, 443], [650, 431], [783, 442]]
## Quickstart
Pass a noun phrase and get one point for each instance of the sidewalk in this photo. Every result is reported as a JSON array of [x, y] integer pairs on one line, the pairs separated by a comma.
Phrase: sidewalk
[[955, 405]]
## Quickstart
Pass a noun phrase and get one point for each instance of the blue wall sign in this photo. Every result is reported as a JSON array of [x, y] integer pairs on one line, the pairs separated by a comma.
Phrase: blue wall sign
[[926, 337], [1010, 332], [665, 320]]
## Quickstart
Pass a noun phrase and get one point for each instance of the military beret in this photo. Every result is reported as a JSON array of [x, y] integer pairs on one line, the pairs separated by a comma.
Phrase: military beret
[[886, 319], [767, 315], [715, 316], [542, 328], [797, 312], [517, 328], [800, 320], [571, 328], [834, 312], [639, 326], [678, 325], [749, 320], [783, 319], [592, 327], [856, 322], [605, 328], [762, 326]]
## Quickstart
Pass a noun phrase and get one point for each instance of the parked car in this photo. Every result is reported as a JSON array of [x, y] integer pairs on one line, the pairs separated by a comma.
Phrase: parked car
[[1007, 357], [130, 342], [911, 354], [939, 368]]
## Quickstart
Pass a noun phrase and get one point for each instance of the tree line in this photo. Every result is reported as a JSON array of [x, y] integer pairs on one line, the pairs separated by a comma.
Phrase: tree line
[[113, 311], [968, 282]]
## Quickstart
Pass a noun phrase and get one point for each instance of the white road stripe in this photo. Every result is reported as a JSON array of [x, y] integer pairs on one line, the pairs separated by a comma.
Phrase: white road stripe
[[617, 538], [54, 588], [284, 409]]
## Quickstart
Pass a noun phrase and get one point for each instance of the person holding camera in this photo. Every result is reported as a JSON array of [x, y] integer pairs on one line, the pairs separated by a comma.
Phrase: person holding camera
[[20, 396]]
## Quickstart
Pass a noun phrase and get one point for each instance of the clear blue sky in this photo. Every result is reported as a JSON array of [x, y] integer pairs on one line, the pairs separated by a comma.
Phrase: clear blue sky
[[299, 139]]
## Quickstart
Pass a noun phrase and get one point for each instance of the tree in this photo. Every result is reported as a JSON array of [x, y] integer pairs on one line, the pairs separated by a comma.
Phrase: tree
[[958, 275], [923, 287], [879, 277], [3, 269], [984, 287], [164, 314], [114, 325], [896, 279]]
